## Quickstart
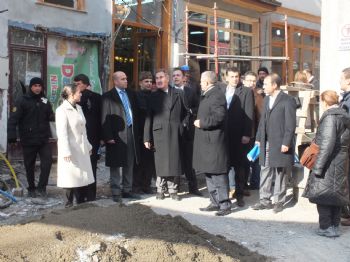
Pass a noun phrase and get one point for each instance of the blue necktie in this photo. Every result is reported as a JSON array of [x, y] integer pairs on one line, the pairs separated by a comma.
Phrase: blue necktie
[[125, 101]]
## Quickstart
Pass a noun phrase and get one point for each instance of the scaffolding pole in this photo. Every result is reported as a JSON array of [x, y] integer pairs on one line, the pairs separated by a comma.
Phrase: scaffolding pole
[[186, 33], [216, 40], [286, 43]]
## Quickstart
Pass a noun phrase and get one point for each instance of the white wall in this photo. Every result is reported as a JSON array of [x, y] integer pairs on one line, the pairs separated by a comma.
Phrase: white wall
[[335, 14], [307, 6], [96, 19]]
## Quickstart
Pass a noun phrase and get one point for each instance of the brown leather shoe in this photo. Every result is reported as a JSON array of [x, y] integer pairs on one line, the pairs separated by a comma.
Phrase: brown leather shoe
[[345, 222]]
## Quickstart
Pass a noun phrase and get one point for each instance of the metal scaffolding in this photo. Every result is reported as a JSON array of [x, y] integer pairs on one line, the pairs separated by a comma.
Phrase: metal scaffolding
[[216, 57]]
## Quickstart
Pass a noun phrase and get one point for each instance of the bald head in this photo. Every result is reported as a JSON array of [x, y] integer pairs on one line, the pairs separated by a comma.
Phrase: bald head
[[120, 79]]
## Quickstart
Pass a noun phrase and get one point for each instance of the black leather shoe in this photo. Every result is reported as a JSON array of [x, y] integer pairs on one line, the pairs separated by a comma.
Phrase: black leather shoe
[[240, 202], [130, 195], [195, 192], [117, 199], [175, 196], [278, 207], [68, 204], [209, 208], [260, 206], [160, 196], [223, 212], [32, 193]]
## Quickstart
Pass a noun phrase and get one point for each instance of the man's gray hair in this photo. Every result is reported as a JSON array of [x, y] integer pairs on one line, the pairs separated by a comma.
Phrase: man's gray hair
[[210, 76]]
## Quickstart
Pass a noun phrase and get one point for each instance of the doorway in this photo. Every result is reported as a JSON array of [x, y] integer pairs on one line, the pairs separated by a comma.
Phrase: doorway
[[197, 38], [136, 50]]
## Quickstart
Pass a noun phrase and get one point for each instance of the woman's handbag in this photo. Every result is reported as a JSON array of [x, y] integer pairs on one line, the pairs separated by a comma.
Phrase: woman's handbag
[[309, 156]]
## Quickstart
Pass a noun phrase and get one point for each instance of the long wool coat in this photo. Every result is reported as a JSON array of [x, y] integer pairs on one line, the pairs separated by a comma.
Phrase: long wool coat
[[72, 141], [210, 151], [114, 127], [239, 123], [164, 126], [277, 125]]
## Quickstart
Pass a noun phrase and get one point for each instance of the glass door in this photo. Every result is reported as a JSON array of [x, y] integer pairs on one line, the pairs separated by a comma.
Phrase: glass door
[[136, 50]]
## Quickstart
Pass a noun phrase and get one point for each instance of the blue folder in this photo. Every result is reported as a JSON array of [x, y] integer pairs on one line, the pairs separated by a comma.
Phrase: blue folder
[[254, 153]]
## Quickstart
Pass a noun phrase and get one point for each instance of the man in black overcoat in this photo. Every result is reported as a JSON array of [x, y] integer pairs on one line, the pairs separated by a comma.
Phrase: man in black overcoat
[[210, 152], [276, 139], [90, 103], [168, 116], [238, 127], [120, 133], [192, 100]]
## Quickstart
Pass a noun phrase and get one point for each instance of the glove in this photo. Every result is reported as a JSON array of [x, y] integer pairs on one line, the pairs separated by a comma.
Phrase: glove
[[12, 140]]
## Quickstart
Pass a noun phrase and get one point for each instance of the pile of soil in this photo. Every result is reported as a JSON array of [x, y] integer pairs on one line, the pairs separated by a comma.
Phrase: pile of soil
[[115, 233]]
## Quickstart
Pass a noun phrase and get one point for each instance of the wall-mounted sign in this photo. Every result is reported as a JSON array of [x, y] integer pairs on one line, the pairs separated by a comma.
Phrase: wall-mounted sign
[[67, 58]]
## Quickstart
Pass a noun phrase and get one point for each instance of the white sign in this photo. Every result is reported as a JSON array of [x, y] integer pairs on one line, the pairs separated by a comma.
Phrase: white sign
[[344, 37]]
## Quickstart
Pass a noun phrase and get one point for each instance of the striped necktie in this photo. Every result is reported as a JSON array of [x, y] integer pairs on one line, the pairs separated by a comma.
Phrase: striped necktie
[[125, 101]]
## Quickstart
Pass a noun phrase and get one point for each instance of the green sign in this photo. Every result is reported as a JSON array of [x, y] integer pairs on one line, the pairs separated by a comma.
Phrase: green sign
[[66, 59]]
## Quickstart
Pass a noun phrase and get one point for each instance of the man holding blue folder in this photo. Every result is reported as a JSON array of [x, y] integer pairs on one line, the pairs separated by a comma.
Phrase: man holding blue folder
[[276, 139]]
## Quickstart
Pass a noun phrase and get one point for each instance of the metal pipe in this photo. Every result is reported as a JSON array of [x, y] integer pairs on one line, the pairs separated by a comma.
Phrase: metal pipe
[[241, 57], [216, 40], [286, 43], [186, 33]]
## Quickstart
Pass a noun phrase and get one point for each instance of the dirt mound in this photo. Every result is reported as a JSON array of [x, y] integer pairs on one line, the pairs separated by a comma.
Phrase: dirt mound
[[114, 233]]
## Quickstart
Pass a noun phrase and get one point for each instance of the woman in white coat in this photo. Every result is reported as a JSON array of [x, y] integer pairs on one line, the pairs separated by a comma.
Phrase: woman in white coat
[[74, 170]]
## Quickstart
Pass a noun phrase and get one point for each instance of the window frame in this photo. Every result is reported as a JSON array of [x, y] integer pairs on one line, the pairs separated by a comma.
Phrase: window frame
[[291, 45], [233, 17], [81, 5]]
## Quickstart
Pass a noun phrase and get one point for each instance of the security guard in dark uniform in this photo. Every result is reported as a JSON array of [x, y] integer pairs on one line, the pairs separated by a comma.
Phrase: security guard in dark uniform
[[32, 115]]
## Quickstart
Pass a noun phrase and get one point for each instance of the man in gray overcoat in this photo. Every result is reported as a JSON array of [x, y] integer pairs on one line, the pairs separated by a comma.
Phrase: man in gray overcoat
[[167, 117], [276, 138], [210, 152]]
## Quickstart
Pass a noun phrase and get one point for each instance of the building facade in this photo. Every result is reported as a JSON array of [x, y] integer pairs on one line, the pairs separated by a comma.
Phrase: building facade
[[54, 40]]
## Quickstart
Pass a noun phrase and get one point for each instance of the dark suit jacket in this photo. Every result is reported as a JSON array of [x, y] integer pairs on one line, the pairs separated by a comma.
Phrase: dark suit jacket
[[277, 126], [114, 127], [239, 123], [164, 127], [209, 150], [91, 104], [192, 100]]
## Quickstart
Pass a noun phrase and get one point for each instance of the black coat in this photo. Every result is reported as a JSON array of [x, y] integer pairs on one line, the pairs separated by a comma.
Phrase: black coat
[[328, 182], [239, 123], [210, 151], [32, 114], [168, 113], [114, 127], [277, 125], [192, 99], [91, 104]]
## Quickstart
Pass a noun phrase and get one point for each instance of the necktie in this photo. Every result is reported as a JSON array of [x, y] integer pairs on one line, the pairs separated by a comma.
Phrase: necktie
[[126, 106]]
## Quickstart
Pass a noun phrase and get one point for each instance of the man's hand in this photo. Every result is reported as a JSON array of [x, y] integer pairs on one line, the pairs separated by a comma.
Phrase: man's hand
[[112, 141], [197, 123], [245, 139], [67, 158], [284, 149], [148, 145], [257, 143]]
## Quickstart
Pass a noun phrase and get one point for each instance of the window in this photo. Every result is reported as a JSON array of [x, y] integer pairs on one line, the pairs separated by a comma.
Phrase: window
[[73, 4], [235, 37], [27, 54], [304, 46], [142, 11]]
